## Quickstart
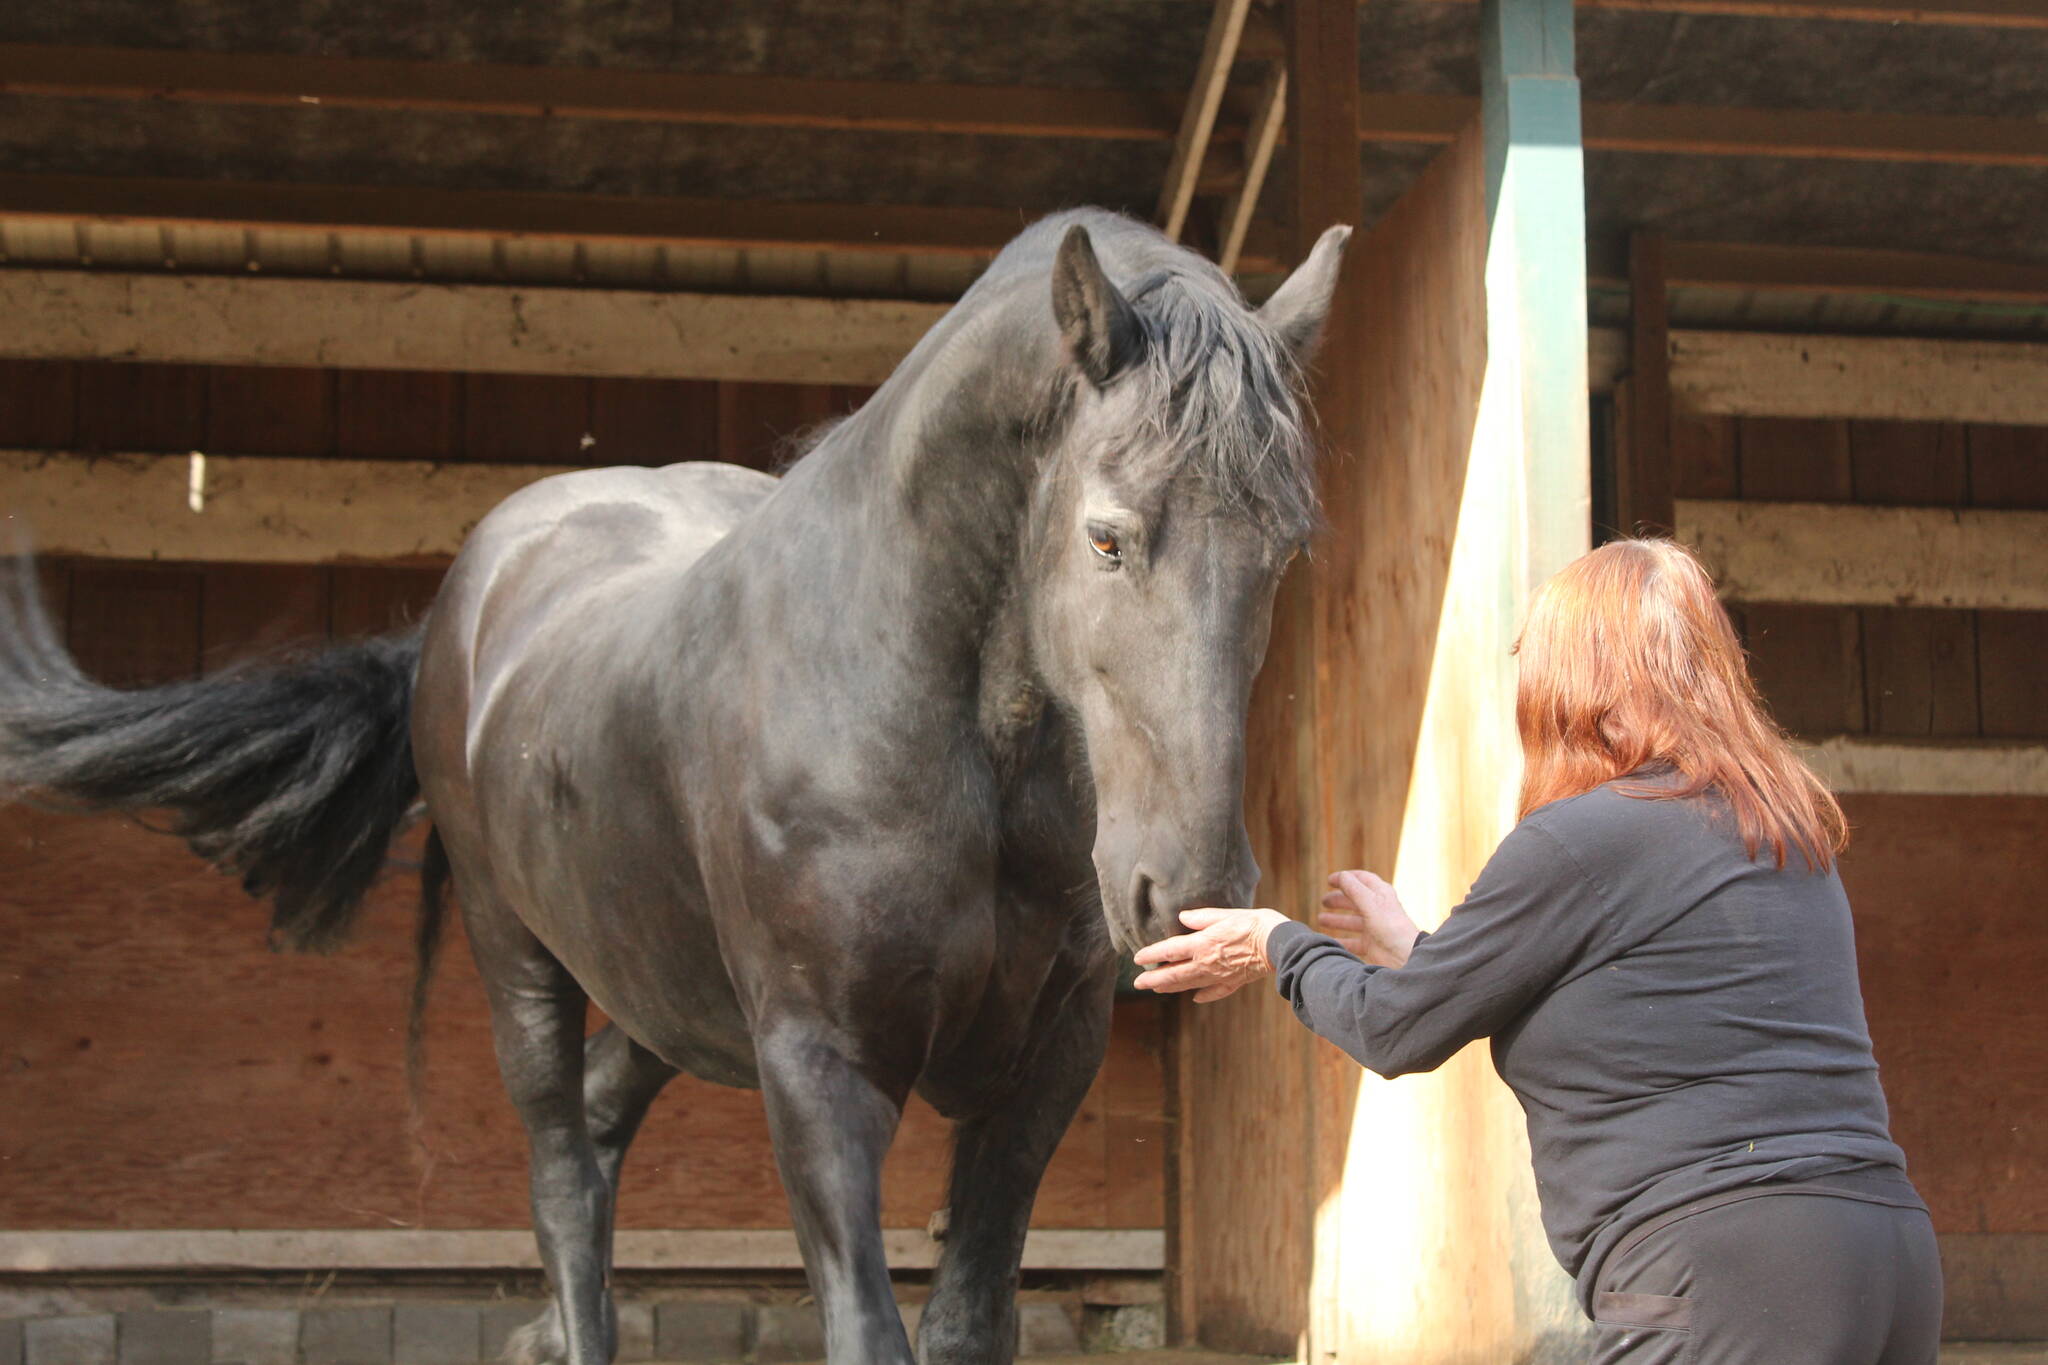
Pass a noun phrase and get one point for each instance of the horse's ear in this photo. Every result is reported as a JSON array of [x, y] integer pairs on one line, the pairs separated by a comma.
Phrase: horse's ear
[[1097, 323], [1298, 307]]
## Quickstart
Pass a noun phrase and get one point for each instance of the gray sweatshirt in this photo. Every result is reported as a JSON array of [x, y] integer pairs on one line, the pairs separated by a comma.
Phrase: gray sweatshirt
[[1677, 1019]]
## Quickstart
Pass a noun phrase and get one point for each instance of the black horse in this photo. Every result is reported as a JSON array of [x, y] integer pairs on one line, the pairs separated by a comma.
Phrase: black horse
[[825, 785]]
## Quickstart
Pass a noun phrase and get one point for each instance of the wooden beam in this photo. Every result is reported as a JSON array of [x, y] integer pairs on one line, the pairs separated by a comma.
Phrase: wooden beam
[[1013, 111], [1700, 130], [1818, 133], [1268, 117], [1191, 145], [1861, 763], [374, 325], [514, 213], [1850, 270], [1755, 374], [63, 1252], [2031, 14], [252, 509], [1851, 554], [1644, 477], [586, 92]]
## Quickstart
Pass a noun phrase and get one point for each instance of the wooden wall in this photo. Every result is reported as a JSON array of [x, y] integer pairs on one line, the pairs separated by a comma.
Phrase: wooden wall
[[160, 1069], [1364, 1219], [1946, 889]]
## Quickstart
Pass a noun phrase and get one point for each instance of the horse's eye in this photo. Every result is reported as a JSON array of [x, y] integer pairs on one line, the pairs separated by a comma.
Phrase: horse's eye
[[1103, 541]]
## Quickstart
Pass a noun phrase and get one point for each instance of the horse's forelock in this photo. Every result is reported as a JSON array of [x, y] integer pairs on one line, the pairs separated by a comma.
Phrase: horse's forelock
[[1222, 400]]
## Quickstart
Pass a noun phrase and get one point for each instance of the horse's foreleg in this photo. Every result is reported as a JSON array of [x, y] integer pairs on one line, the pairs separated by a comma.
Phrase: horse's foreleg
[[537, 1015], [998, 1160], [832, 1126]]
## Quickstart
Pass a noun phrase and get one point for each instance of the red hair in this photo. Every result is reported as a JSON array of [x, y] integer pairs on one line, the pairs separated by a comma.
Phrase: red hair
[[1628, 658]]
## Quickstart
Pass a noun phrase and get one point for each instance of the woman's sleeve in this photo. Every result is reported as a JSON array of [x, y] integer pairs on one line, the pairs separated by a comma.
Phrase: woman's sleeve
[[1530, 918]]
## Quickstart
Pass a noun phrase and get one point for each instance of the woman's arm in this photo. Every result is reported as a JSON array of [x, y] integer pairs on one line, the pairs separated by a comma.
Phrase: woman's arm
[[1531, 916]]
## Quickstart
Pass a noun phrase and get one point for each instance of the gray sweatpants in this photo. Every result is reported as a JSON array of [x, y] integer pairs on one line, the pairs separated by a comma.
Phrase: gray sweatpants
[[1773, 1278]]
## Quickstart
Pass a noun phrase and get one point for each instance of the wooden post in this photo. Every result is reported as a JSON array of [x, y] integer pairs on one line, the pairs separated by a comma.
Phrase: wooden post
[[1643, 474]]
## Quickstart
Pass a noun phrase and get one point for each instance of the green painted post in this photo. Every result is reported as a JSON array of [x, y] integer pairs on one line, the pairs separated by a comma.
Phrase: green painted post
[[1536, 311], [1536, 202]]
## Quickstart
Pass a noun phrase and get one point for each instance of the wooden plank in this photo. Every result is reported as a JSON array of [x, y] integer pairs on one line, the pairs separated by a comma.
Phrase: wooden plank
[[2024, 14], [377, 599], [134, 625], [363, 325], [397, 414], [269, 410], [257, 510], [1816, 133], [326, 1250], [1644, 475], [2008, 466], [1920, 671], [1904, 464], [1946, 891], [1787, 459], [1746, 265], [2012, 659], [1703, 456], [526, 214], [140, 407], [1198, 117], [160, 1038], [1822, 553], [1269, 118], [38, 405], [1807, 663], [1897, 378], [526, 418], [759, 425], [1856, 763], [589, 92], [657, 421], [253, 609]]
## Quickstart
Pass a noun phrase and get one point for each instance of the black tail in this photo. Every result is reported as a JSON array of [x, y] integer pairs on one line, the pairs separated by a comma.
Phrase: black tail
[[292, 775]]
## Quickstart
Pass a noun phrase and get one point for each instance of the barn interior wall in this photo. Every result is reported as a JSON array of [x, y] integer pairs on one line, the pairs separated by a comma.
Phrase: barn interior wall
[[1946, 889], [161, 1070], [1382, 737]]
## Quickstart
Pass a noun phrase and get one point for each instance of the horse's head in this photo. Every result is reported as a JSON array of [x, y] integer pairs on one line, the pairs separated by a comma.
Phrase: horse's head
[[1181, 483]]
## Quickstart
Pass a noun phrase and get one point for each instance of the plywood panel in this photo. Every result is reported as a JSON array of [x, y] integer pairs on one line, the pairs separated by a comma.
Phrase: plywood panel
[[1947, 894], [269, 410], [374, 599], [133, 625], [1806, 662], [38, 404], [141, 407], [2008, 466], [2012, 660], [166, 1071], [1920, 671], [525, 418], [758, 424], [1785, 459], [252, 609], [397, 414], [1910, 464], [653, 421]]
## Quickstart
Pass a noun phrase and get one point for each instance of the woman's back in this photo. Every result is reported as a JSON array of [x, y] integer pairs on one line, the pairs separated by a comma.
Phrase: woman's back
[[1708, 1035]]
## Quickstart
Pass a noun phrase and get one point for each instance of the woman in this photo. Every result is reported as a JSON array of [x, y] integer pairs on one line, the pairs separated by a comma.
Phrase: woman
[[1662, 954]]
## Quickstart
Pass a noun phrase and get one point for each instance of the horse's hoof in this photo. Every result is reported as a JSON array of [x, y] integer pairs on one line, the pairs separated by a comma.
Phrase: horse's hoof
[[540, 1342]]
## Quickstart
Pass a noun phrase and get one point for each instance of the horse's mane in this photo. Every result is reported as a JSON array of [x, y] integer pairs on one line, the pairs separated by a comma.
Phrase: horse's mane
[[1223, 394]]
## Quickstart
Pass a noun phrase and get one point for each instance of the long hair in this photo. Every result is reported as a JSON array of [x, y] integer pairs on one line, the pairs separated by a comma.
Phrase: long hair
[[1628, 659]]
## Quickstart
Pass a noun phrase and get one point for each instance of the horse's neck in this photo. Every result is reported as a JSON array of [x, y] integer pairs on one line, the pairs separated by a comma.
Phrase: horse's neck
[[925, 500]]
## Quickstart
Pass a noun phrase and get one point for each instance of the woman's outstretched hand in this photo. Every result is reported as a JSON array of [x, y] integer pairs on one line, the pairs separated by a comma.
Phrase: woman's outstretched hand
[[1364, 915], [1226, 951]]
